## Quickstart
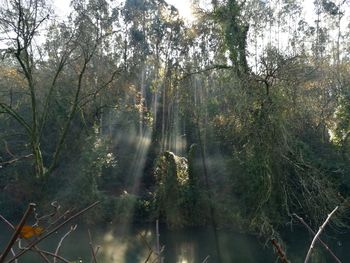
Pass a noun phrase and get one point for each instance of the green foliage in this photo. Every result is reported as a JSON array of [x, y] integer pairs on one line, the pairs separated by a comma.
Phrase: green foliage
[[177, 198], [194, 197], [82, 188], [234, 32], [168, 194], [342, 129], [131, 81], [125, 207]]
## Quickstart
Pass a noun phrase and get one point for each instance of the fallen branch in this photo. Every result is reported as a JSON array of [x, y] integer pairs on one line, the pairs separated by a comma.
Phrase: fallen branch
[[36, 249], [15, 235], [318, 234], [52, 231], [319, 239], [281, 254]]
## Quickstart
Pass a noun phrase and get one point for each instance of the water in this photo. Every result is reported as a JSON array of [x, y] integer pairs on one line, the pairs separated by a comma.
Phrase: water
[[119, 244]]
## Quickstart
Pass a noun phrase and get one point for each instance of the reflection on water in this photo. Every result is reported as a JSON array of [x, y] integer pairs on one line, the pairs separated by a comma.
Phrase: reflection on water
[[133, 246], [186, 252], [181, 246], [119, 245]]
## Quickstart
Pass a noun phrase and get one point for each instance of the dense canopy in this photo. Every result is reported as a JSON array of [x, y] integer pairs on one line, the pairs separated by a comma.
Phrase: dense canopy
[[239, 118]]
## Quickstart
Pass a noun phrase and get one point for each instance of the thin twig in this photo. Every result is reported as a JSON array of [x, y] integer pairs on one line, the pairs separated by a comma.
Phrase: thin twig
[[143, 238], [53, 231], [72, 228], [7, 222], [206, 260], [53, 255], [158, 243], [319, 238], [318, 234], [97, 250], [17, 232], [8, 150], [63, 216], [14, 254], [9, 162], [149, 255], [213, 67], [35, 248], [43, 254], [156, 259], [56, 207], [150, 250], [93, 255]]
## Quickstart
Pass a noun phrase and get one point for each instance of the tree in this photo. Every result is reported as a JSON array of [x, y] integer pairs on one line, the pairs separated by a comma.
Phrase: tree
[[21, 23]]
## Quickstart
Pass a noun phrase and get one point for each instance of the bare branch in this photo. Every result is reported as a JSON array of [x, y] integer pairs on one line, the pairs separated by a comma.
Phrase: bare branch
[[17, 232], [35, 248], [319, 239], [72, 228], [8, 150], [53, 231], [214, 67], [14, 254], [17, 117], [281, 254], [150, 250], [206, 260], [53, 255], [55, 212], [318, 234], [149, 256], [87, 58], [6, 163], [93, 252], [61, 65], [103, 86]]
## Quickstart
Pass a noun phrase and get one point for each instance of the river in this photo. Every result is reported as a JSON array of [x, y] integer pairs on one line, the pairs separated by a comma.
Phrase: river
[[130, 245]]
